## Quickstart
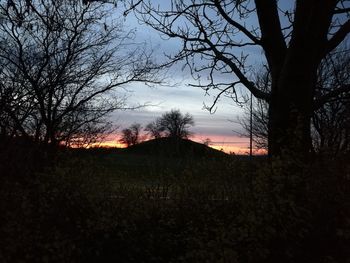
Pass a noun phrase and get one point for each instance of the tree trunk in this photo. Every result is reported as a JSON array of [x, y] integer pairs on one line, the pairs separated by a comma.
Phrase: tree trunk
[[290, 108], [289, 120], [293, 87]]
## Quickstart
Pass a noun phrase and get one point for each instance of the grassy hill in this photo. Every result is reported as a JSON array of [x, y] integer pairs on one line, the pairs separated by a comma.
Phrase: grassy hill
[[149, 160], [174, 147]]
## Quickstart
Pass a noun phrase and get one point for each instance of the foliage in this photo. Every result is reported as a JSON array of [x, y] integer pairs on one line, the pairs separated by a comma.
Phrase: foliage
[[98, 206]]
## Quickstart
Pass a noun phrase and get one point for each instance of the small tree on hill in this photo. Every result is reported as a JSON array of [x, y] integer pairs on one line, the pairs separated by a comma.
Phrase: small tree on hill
[[292, 36], [175, 124], [131, 135], [207, 141], [154, 130]]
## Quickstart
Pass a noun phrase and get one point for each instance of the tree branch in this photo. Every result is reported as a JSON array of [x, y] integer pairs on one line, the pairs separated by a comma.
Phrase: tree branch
[[236, 24], [338, 37], [341, 10], [272, 37], [319, 102], [248, 84]]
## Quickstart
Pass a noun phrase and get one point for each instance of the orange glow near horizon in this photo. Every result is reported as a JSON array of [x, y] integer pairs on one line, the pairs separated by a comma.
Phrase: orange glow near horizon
[[108, 144], [228, 144]]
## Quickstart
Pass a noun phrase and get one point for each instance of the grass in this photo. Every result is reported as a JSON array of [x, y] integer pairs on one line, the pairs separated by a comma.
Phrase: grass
[[112, 206]]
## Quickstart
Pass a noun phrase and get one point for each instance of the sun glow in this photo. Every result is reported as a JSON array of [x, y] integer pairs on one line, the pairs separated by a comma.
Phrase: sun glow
[[227, 144]]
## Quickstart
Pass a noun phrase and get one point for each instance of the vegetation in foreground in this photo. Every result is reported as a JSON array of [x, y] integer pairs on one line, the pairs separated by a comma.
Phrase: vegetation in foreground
[[131, 207], [107, 205]]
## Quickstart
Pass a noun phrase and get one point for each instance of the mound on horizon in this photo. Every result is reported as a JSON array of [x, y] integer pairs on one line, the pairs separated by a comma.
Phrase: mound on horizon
[[174, 147]]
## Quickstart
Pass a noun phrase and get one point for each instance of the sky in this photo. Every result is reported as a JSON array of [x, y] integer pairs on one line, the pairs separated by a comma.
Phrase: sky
[[221, 127]]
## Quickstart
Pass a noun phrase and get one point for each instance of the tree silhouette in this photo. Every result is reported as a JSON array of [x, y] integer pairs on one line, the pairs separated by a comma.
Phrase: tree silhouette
[[294, 39], [331, 119], [330, 129], [131, 136], [61, 66], [174, 124], [154, 130]]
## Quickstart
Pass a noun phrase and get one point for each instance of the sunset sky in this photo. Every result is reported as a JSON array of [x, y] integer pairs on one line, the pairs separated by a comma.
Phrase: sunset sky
[[221, 127]]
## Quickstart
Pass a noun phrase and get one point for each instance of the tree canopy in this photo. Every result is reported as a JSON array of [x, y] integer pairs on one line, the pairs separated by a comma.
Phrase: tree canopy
[[175, 124], [131, 136], [62, 67], [218, 38], [172, 124]]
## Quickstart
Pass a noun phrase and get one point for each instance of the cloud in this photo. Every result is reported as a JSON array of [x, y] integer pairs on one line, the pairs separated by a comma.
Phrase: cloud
[[186, 99], [182, 97]]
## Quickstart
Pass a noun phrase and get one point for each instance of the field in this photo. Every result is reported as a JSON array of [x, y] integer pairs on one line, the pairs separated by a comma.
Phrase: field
[[110, 205]]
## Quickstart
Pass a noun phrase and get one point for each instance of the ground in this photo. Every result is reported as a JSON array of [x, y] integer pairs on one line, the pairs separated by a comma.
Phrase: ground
[[112, 205]]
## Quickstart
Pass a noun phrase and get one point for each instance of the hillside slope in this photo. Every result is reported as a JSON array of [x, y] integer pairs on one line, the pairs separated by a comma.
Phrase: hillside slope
[[174, 147]]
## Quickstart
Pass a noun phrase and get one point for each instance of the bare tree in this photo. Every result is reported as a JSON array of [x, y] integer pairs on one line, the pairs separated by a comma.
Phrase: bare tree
[[207, 141], [154, 130], [174, 124], [132, 135], [218, 37], [255, 118], [330, 120], [63, 64]]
